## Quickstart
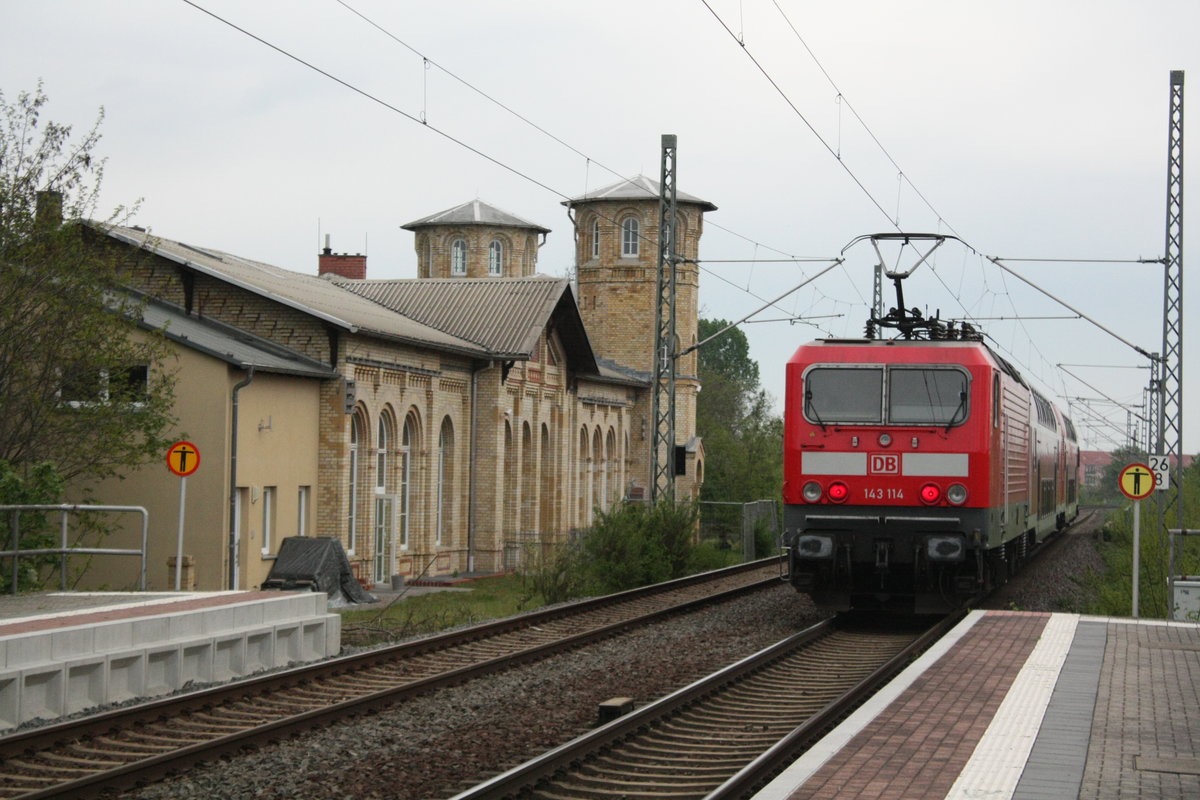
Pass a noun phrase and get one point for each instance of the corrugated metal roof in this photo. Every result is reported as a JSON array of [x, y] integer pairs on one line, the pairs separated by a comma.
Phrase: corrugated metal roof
[[638, 187], [503, 315], [475, 212], [318, 297], [229, 344]]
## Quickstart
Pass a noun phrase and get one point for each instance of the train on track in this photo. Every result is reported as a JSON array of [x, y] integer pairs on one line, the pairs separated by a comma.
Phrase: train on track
[[919, 471]]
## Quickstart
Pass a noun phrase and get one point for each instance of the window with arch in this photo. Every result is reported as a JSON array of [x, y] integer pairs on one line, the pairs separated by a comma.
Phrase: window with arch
[[356, 436], [382, 441], [595, 237], [496, 257], [408, 437], [458, 257], [445, 479], [631, 231]]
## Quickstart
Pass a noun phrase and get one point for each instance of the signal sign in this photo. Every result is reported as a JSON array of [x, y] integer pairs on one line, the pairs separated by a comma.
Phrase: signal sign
[[183, 458], [1136, 481]]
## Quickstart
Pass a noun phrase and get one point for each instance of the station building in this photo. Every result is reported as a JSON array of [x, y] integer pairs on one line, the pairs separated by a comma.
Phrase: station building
[[438, 425]]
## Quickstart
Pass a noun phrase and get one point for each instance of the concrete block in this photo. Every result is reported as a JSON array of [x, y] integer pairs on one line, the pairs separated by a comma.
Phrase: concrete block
[[26, 649], [86, 684], [69, 643], [287, 643], [333, 635], [247, 615], [41, 692], [260, 649], [149, 631], [218, 620], [114, 636], [184, 625], [162, 670], [126, 675], [10, 699], [196, 662], [229, 657]]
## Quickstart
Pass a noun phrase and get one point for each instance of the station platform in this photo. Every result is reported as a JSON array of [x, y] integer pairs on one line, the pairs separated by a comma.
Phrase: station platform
[[63, 652], [1026, 706]]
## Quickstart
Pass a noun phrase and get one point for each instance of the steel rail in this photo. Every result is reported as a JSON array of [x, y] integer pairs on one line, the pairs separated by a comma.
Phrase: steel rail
[[526, 776], [156, 766]]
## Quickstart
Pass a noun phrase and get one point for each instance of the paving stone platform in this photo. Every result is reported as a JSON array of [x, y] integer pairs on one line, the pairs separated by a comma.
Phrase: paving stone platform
[[1025, 706]]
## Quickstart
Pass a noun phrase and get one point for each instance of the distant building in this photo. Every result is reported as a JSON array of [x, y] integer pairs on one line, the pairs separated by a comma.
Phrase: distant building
[[435, 425]]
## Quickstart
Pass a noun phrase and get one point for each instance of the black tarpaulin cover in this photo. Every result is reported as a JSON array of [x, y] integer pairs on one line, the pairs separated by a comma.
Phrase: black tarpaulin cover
[[318, 564]]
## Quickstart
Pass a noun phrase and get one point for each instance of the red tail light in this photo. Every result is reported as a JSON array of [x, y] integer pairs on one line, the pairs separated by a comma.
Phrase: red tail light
[[930, 494], [838, 492]]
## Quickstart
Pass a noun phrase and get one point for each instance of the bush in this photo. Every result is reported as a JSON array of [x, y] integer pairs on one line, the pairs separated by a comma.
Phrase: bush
[[39, 484], [633, 545]]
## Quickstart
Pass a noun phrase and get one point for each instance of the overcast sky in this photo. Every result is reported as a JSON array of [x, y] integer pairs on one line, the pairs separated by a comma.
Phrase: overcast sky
[[1031, 130]]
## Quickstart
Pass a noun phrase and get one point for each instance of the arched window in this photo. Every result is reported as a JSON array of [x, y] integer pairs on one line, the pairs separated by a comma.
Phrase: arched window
[[595, 238], [496, 257], [445, 479], [385, 502], [631, 231], [458, 257], [356, 436], [405, 467]]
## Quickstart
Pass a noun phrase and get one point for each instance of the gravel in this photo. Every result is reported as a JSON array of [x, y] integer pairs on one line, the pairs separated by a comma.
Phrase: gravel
[[438, 744], [441, 743]]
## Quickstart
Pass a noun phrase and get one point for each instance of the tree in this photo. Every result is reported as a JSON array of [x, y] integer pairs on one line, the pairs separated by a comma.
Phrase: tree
[[743, 439], [80, 388]]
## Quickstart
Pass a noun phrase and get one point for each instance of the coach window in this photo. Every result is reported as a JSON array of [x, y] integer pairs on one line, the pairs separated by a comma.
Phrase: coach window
[[926, 396], [843, 394]]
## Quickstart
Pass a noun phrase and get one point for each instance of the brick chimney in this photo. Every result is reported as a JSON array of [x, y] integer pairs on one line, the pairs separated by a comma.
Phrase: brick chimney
[[343, 264]]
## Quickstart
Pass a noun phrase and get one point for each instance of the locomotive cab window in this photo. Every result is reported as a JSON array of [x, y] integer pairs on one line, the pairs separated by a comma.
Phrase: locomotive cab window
[[836, 395], [927, 396]]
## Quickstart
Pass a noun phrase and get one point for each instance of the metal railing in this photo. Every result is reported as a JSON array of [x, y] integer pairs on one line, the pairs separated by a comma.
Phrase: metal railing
[[65, 551]]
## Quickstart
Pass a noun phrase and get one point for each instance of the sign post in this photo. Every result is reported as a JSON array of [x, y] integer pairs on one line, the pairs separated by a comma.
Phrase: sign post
[[1136, 482], [183, 458]]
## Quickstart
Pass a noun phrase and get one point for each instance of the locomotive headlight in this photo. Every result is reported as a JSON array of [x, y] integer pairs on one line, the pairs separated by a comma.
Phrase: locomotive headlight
[[813, 546], [956, 494], [885, 440], [811, 491], [930, 494], [838, 492], [945, 548]]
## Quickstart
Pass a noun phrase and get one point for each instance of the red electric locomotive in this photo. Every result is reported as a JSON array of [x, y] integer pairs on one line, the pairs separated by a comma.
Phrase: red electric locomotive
[[917, 471]]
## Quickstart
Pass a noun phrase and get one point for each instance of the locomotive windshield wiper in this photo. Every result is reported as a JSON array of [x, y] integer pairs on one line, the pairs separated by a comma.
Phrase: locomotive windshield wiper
[[808, 402], [962, 406]]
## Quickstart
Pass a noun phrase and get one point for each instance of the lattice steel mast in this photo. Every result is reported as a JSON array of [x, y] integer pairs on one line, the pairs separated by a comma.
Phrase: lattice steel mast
[[1170, 429], [662, 453]]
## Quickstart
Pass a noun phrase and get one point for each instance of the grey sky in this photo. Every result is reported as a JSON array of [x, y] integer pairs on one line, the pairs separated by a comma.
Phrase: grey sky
[[1033, 129]]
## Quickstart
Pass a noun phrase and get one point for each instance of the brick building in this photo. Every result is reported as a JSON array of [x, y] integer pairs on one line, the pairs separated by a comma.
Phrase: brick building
[[476, 410]]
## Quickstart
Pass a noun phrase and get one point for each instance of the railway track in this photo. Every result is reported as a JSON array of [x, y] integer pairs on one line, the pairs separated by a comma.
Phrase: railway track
[[729, 733], [143, 743]]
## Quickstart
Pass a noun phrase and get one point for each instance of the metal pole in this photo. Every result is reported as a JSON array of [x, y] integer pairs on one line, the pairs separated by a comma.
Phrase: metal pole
[[62, 559], [1137, 551], [179, 538], [16, 546]]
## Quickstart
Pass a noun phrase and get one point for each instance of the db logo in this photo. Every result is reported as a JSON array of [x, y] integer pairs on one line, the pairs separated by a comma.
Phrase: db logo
[[884, 464]]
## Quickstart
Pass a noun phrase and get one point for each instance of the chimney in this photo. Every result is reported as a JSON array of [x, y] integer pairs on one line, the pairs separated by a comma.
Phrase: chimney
[[349, 266]]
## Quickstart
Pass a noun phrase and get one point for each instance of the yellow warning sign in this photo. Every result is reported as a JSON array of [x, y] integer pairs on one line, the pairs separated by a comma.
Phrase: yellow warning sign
[[183, 458], [1136, 481]]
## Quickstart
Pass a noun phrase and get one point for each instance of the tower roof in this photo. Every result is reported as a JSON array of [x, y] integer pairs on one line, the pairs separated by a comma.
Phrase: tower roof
[[475, 212], [638, 187]]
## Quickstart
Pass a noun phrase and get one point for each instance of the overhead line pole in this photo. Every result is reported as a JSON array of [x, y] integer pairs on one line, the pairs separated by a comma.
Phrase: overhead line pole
[[1171, 368], [662, 452]]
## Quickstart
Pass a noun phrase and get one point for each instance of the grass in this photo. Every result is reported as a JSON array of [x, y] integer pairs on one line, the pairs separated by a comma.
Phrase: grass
[[487, 598]]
